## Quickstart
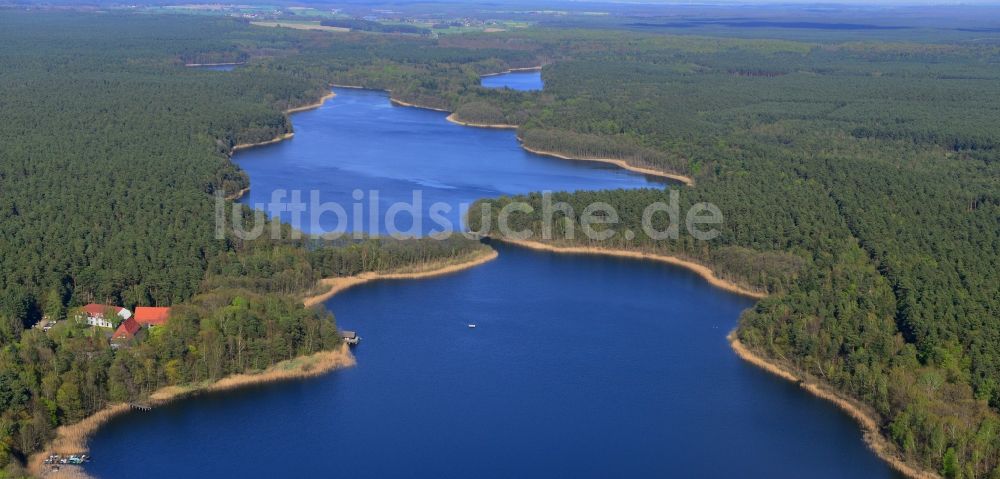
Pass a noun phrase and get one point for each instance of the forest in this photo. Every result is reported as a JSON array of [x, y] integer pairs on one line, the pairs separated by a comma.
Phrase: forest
[[113, 152], [859, 182], [860, 189]]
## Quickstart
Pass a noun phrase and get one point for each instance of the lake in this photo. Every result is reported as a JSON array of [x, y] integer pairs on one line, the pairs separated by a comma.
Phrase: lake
[[222, 67], [580, 366], [530, 80], [358, 145]]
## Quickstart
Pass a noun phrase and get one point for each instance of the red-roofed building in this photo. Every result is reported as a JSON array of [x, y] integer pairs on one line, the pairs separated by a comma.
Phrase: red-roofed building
[[152, 316], [127, 330], [103, 315]]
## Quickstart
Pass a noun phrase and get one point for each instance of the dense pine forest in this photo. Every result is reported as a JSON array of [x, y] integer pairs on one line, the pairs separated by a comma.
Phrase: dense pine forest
[[860, 188], [860, 185], [112, 154]]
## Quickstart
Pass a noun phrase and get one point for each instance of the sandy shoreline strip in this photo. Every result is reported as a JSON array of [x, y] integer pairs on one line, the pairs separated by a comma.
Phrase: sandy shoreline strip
[[702, 270], [291, 134], [619, 163], [456, 121], [72, 438], [238, 194], [336, 285], [413, 105], [314, 105], [866, 419], [246, 146]]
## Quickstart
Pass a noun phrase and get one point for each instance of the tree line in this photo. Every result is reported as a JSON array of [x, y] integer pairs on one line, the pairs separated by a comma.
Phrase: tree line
[[857, 180], [113, 152]]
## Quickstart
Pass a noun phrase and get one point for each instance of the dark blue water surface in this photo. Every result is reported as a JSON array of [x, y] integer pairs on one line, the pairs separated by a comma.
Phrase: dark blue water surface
[[522, 80], [358, 145], [580, 366]]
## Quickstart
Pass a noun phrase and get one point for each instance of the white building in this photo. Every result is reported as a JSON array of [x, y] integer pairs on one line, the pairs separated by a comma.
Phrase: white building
[[96, 315]]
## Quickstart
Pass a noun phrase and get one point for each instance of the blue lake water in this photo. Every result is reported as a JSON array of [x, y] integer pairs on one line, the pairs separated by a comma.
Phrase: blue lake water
[[580, 366], [358, 145], [216, 68], [521, 81]]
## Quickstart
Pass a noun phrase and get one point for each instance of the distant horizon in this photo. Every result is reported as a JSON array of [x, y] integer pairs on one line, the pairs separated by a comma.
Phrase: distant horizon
[[541, 3], [875, 3]]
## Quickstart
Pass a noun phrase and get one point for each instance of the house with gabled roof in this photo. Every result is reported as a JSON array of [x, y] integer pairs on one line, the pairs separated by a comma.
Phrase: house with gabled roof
[[103, 315], [152, 316], [127, 330]]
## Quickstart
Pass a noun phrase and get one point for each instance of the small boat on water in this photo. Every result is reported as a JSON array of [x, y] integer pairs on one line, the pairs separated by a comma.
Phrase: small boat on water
[[350, 337], [472, 326]]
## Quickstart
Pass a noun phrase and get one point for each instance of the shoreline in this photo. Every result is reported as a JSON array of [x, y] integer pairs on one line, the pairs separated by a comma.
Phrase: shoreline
[[612, 161], [451, 115], [312, 106], [338, 284], [503, 126], [247, 146], [869, 423], [701, 270], [394, 101], [687, 180], [354, 87], [283, 136], [213, 64], [512, 70], [619, 163], [73, 438], [413, 105], [239, 194]]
